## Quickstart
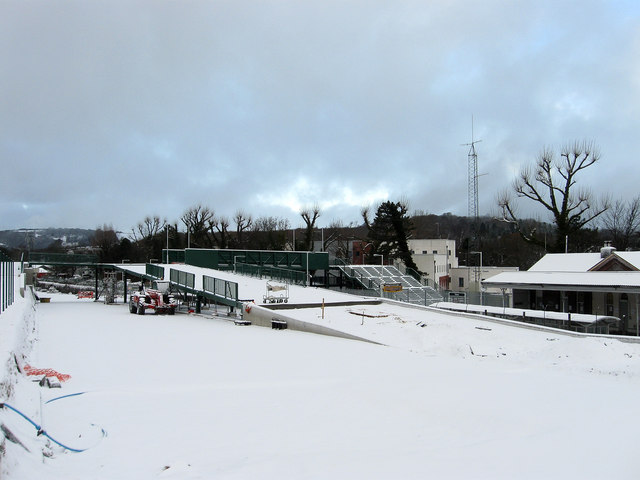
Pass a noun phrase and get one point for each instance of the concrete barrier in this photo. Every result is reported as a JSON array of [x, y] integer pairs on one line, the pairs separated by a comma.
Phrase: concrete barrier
[[264, 317]]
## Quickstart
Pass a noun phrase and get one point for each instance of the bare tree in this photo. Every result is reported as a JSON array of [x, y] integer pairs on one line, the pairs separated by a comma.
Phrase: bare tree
[[364, 212], [552, 184], [309, 216], [269, 233], [335, 240], [147, 234], [197, 220], [243, 223], [219, 229], [106, 240], [622, 221], [148, 228]]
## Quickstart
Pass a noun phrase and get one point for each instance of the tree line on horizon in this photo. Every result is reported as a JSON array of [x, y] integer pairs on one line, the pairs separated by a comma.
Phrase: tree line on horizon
[[579, 223]]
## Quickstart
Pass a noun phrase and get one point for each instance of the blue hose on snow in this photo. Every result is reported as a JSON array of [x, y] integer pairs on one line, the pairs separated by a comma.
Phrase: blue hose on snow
[[65, 396], [43, 432]]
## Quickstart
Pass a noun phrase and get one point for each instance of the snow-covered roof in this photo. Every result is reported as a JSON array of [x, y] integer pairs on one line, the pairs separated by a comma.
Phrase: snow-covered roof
[[632, 257], [579, 262], [566, 262], [621, 281]]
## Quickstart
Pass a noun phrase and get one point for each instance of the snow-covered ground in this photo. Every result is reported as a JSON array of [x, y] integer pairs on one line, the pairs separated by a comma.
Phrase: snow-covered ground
[[447, 396]]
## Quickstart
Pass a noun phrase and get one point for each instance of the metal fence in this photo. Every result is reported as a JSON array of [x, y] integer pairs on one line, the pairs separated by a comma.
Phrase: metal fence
[[478, 298], [7, 280], [154, 270], [284, 275], [221, 288], [183, 279], [61, 258]]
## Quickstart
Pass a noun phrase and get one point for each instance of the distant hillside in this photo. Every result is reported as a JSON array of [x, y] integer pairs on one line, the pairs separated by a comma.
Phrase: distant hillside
[[41, 238]]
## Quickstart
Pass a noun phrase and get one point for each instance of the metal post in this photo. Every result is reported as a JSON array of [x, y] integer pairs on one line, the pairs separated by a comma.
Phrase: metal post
[[96, 295], [479, 278], [637, 315]]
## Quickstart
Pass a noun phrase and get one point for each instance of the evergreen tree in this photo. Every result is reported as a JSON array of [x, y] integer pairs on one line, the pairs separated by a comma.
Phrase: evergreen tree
[[389, 232]]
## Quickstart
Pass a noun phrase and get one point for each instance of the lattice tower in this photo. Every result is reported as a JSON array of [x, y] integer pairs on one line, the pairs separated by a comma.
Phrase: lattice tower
[[472, 177]]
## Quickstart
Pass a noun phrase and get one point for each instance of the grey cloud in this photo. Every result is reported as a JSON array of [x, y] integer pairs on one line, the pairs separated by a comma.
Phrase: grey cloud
[[108, 105]]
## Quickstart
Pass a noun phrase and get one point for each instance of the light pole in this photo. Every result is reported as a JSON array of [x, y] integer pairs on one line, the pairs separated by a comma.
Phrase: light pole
[[478, 277]]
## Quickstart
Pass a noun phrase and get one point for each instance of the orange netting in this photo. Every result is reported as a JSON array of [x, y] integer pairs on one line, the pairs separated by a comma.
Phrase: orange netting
[[49, 372]]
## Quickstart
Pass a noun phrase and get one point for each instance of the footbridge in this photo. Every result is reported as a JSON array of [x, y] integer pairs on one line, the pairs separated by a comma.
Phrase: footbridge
[[202, 286], [217, 290]]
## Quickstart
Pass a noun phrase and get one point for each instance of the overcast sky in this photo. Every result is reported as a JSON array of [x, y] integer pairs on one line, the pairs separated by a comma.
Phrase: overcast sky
[[115, 110]]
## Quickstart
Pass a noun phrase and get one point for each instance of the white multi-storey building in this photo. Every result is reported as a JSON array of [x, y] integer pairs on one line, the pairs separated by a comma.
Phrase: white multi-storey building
[[434, 258]]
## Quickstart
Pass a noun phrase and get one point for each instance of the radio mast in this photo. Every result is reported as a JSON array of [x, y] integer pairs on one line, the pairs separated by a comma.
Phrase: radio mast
[[472, 176]]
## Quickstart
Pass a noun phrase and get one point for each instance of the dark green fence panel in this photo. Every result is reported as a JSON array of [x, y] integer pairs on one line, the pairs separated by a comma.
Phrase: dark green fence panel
[[221, 288], [183, 279], [224, 259], [172, 256], [154, 270], [7, 286], [281, 274]]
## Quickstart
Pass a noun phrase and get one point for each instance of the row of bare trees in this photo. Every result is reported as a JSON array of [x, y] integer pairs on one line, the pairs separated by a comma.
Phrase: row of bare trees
[[200, 227], [551, 183]]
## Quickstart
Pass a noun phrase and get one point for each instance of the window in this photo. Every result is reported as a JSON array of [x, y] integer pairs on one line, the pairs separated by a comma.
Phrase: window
[[435, 252], [461, 282], [610, 304]]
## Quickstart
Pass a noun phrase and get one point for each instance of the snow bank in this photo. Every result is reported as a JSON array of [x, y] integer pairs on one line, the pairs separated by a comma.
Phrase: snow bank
[[17, 325], [17, 337]]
